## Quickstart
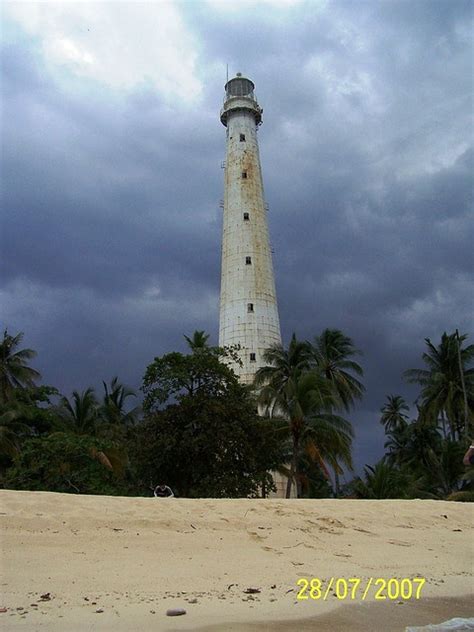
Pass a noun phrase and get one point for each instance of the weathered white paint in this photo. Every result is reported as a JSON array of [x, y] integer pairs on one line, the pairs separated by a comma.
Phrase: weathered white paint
[[241, 283]]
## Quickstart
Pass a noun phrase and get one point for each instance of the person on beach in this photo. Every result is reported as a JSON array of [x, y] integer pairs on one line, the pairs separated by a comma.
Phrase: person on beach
[[469, 456], [163, 491]]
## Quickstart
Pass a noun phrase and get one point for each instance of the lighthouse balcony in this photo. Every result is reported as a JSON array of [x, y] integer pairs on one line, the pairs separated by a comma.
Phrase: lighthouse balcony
[[234, 104]]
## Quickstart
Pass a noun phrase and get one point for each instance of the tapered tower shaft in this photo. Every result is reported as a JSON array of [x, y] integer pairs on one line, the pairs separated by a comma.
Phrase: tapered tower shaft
[[248, 305]]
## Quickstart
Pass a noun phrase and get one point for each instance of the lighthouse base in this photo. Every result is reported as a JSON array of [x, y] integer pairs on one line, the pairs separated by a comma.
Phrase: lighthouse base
[[281, 482]]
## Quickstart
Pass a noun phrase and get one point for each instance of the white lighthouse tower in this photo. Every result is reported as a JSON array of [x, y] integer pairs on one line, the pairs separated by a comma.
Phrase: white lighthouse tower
[[248, 305]]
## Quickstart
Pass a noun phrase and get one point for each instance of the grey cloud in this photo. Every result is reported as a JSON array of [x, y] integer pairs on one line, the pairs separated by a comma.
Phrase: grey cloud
[[111, 233]]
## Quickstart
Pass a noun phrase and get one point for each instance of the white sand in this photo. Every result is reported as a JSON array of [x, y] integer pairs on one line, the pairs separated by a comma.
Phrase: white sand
[[134, 558]]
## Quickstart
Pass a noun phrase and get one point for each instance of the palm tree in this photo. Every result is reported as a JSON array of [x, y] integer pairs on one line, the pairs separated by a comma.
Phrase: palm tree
[[198, 341], [282, 366], [14, 371], [393, 416], [447, 384], [332, 354], [114, 403], [395, 446], [305, 398], [275, 383], [339, 452], [382, 481], [304, 403], [81, 414], [11, 428], [444, 469]]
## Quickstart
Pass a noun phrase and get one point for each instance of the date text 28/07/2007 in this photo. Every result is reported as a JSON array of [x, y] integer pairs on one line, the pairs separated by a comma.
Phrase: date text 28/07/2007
[[354, 588]]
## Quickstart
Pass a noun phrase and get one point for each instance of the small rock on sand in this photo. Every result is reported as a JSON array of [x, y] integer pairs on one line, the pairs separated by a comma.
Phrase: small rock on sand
[[175, 612]]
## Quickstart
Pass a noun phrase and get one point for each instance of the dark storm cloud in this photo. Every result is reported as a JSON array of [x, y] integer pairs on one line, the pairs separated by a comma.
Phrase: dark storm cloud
[[111, 236], [101, 189]]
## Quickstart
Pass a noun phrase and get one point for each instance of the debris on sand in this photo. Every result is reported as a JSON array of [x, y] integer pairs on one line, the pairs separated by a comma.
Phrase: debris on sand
[[175, 612]]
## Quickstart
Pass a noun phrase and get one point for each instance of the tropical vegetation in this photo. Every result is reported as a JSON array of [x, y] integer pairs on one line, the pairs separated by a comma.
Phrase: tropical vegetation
[[202, 432], [307, 385]]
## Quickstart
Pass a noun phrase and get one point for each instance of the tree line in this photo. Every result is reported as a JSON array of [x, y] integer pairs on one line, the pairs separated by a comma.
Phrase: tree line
[[201, 431]]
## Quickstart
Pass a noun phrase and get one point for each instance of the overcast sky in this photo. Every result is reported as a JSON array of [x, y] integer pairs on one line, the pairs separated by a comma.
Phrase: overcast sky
[[111, 178]]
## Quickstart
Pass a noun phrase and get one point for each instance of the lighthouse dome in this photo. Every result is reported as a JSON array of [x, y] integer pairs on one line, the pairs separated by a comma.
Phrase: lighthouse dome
[[239, 87]]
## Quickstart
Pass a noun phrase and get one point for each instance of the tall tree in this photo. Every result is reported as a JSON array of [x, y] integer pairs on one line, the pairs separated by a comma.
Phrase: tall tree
[[207, 446], [447, 384], [175, 375], [332, 353], [201, 431], [114, 406], [382, 481], [305, 398], [11, 430], [81, 413], [283, 366], [198, 340], [14, 370], [393, 413]]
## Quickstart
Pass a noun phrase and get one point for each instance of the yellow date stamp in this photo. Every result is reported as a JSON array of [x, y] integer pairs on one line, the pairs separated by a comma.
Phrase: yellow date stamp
[[354, 588]]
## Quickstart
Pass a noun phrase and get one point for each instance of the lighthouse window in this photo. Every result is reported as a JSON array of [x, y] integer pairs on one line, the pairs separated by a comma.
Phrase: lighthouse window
[[253, 357], [250, 307], [248, 261], [246, 217], [242, 138], [244, 175]]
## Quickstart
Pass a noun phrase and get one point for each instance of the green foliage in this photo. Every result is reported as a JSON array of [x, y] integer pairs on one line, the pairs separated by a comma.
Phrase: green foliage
[[202, 434], [11, 429], [113, 410], [81, 414], [313, 482], [382, 481], [332, 355], [429, 450], [207, 446], [63, 463], [295, 385], [283, 366], [14, 370], [447, 384], [176, 375], [198, 341], [434, 462], [462, 497], [25, 414], [393, 414]]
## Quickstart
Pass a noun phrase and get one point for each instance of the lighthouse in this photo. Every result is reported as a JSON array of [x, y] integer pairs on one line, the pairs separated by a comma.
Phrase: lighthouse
[[248, 305]]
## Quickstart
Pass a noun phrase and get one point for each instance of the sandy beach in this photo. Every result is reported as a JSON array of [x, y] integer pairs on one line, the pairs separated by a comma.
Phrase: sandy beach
[[72, 562]]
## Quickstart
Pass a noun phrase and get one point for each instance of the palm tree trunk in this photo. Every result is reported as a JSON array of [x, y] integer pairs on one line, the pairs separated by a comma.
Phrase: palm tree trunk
[[452, 427], [337, 488], [289, 481], [298, 485], [294, 470], [463, 386], [443, 421]]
